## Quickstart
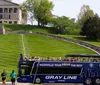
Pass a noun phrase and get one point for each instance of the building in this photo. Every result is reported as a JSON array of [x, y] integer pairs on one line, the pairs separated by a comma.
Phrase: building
[[10, 12]]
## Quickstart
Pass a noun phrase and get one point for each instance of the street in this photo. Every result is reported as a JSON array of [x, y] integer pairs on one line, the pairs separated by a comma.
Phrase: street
[[9, 83]]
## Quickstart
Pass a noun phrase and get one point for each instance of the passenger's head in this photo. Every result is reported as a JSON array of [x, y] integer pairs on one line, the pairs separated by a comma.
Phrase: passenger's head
[[12, 71]]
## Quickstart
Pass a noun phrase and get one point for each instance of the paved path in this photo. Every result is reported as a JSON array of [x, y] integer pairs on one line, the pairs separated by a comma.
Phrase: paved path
[[62, 84], [9, 83]]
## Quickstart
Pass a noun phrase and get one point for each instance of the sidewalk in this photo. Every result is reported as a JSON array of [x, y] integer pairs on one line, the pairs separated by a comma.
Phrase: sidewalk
[[9, 83]]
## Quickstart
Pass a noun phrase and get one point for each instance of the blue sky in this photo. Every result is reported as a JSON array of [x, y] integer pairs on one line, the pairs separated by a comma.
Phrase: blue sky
[[71, 8]]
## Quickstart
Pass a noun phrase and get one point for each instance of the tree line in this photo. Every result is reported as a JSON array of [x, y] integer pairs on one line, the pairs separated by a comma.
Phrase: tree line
[[87, 23]]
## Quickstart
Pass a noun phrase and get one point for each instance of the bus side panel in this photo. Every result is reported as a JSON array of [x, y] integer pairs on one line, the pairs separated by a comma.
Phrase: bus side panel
[[61, 78], [25, 79]]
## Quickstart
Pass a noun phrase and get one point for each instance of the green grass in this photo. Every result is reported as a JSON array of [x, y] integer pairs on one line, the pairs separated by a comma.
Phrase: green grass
[[9, 52], [49, 47], [11, 47], [19, 27], [83, 38]]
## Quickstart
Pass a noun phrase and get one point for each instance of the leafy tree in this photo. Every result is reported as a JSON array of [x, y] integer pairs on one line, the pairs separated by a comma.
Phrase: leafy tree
[[40, 10], [24, 14], [62, 24], [84, 14], [91, 28], [27, 9], [73, 29]]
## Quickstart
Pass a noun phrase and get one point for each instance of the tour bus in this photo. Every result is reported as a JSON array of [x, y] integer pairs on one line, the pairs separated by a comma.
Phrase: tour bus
[[38, 71]]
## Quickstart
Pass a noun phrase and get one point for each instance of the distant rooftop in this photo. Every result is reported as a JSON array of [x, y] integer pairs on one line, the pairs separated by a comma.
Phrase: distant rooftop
[[10, 1]]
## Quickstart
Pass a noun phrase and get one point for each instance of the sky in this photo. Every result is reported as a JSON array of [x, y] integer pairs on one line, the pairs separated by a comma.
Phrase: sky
[[71, 8]]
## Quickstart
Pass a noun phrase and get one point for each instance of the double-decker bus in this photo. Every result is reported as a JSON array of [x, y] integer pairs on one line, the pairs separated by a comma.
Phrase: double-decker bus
[[39, 71]]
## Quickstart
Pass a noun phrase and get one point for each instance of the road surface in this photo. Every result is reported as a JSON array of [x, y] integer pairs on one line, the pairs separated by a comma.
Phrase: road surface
[[62, 84], [9, 83]]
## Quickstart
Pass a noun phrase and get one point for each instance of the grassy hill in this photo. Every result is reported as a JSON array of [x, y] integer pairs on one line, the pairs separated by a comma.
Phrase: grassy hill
[[46, 46], [19, 27], [11, 46], [83, 38], [9, 52], [15, 27]]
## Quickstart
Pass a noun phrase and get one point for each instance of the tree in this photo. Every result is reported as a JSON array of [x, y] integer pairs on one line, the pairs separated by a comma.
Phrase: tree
[[62, 24], [24, 13], [40, 10], [84, 14], [91, 28]]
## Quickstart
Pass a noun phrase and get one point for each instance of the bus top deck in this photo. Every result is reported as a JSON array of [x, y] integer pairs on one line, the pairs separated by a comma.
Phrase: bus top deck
[[69, 58]]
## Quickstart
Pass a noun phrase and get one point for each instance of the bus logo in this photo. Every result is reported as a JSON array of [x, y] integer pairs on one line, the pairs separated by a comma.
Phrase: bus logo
[[61, 77]]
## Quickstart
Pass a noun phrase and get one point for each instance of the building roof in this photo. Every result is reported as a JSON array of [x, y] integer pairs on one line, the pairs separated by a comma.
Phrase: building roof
[[10, 2]]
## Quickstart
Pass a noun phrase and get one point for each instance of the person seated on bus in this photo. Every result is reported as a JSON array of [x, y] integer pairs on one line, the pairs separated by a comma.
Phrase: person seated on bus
[[41, 59], [29, 59], [37, 58], [25, 59], [67, 59], [77, 60], [64, 59], [52, 59], [83, 60], [95, 60], [45, 59], [90, 60], [72, 59], [32, 58], [60, 58], [48, 59], [98, 60], [57, 59]]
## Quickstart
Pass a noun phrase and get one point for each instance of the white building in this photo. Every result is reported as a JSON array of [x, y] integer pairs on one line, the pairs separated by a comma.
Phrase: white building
[[10, 12]]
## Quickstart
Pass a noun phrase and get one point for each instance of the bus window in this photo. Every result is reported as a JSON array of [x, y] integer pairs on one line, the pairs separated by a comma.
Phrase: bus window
[[22, 71], [25, 71], [44, 70]]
